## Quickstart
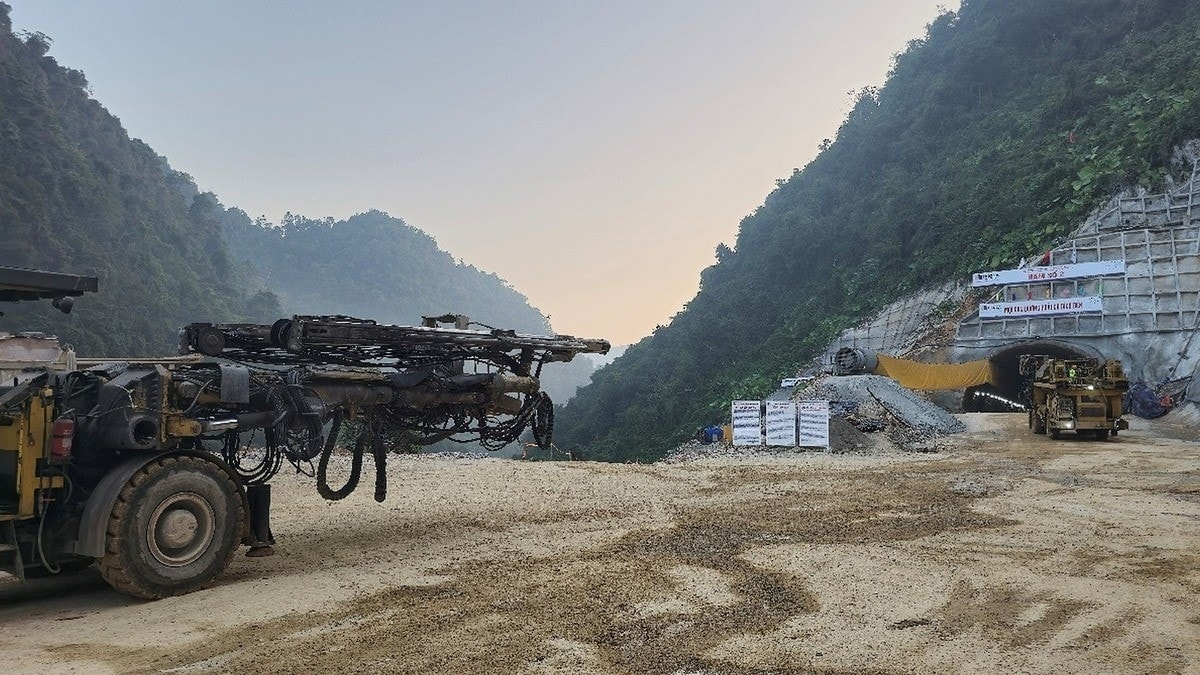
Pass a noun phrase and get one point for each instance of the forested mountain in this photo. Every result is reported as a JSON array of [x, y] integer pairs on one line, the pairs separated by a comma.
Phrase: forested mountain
[[77, 194], [994, 136], [371, 265]]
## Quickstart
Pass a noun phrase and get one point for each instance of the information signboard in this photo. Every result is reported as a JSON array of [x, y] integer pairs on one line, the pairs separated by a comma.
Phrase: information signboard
[[747, 422], [781, 423], [814, 424], [1000, 310]]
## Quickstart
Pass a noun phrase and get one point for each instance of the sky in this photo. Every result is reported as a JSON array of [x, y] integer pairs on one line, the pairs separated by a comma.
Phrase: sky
[[593, 154]]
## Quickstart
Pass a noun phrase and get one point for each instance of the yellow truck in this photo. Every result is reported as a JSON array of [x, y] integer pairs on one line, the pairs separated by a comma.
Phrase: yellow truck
[[1078, 395]]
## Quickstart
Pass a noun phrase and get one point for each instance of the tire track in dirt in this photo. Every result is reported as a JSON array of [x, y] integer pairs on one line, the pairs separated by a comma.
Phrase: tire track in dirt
[[1011, 616]]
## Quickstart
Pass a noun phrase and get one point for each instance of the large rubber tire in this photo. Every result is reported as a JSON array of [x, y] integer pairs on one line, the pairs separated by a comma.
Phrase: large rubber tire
[[1055, 434], [174, 527]]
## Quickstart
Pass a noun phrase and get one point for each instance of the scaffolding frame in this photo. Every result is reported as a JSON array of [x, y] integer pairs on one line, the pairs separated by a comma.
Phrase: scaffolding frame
[[1158, 237]]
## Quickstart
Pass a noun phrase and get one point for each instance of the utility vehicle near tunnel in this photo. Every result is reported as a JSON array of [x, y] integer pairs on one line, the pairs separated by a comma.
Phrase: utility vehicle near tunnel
[[1078, 395], [157, 470]]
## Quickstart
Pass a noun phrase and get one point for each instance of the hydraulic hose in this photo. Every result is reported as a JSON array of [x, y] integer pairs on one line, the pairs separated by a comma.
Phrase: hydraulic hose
[[543, 421], [380, 468], [378, 452], [323, 488]]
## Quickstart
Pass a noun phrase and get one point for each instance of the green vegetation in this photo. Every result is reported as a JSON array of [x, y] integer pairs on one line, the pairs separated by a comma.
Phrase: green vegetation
[[371, 265], [994, 136], [78, 195]]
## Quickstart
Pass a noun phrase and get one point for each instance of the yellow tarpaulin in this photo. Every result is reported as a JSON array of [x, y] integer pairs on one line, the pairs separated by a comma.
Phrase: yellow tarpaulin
[[935, 376]]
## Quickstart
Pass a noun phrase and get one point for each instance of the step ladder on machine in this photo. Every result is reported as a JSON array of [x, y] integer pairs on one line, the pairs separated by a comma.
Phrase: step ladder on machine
[[10, 552]]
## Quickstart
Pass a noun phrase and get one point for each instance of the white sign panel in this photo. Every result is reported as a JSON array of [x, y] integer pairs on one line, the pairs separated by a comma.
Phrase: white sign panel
[[1037, 275], [747, 423], [1000, 310], [814, 424], [781, 423]]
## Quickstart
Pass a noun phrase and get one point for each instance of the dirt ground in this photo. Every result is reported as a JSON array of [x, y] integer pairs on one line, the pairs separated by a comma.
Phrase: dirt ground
[[1008, 553]]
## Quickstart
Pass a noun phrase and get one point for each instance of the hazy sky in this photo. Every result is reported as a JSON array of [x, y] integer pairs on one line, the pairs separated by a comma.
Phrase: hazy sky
[[591, 153]]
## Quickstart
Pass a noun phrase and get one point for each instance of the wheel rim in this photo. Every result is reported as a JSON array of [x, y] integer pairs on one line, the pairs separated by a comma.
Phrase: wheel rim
[[180, 529]]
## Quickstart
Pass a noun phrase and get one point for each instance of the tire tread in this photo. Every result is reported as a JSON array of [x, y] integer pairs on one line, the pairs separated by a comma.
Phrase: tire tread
[[110, 564]]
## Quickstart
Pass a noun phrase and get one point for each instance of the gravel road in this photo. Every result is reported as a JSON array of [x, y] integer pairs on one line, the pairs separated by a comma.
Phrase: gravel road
[[1006, 552]]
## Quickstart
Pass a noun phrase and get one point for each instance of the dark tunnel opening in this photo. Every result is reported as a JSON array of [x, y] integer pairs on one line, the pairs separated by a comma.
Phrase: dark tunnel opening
[[1010, 392]]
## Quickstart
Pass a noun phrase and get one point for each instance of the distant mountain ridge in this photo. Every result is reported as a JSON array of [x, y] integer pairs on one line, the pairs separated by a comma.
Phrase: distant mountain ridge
[[372, 265]]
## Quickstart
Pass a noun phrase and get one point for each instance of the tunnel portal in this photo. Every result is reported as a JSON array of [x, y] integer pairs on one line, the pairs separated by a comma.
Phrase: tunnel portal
[[1010, 390]]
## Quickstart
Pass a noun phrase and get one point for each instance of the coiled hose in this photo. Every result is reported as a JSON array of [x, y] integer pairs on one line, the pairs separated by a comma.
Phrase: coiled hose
[[370, 435]]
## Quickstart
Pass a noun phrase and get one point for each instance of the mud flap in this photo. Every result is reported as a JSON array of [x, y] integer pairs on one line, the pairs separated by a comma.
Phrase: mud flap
[[260, 539]]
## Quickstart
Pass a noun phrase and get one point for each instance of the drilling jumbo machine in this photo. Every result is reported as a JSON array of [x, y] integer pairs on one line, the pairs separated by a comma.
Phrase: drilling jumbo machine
[[157, 470]]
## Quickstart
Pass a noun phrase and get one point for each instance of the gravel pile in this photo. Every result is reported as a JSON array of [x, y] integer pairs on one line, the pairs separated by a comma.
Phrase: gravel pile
[[693, 450], [877, 403], [844, 436]]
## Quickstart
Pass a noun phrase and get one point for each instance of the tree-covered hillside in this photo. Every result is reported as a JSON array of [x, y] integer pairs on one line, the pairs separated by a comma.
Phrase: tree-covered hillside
[[372, 265], [78, 195], [994, 136]]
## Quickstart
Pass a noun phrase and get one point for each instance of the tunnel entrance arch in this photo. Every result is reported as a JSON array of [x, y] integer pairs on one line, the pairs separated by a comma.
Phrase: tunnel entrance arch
[[1010, 387]]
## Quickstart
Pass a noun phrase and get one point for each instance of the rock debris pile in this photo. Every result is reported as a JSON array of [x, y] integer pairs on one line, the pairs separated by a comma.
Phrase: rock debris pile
[[875, 403]]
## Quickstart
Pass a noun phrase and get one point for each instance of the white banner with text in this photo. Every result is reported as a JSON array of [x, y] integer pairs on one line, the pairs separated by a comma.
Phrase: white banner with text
[[1037, 275], [1000, 310]]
